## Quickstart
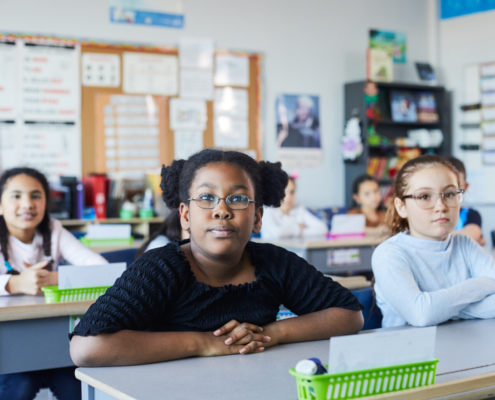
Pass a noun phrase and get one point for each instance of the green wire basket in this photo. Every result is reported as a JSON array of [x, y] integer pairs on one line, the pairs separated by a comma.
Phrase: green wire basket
[[358, 384], [95, 243], [55, 295]]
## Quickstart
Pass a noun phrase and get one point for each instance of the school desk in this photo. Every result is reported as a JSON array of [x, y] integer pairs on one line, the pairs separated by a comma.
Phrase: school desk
[[33, 335], [466, 369], [326, 255]]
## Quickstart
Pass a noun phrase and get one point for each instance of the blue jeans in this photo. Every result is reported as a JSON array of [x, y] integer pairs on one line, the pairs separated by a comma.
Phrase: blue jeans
[[25, 385]]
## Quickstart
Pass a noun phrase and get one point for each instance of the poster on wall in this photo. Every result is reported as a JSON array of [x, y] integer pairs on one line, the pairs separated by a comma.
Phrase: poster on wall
[[393, 42], [166, 13], [99, 69], [8, 79], [298, 131]]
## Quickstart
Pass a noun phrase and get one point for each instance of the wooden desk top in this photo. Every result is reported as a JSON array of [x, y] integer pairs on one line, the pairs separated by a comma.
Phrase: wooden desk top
[[321, 242], [464, 348], [31, 307]]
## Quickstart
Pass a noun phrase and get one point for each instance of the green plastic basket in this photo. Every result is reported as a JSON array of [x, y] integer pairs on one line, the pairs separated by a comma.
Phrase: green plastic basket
[[357, 384], [55, 295], [107, 242]]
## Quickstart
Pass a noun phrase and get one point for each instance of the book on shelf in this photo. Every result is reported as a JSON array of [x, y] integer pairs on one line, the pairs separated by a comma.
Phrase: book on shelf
[[427, 107], [382, 168], [403, 106], [379, 65]]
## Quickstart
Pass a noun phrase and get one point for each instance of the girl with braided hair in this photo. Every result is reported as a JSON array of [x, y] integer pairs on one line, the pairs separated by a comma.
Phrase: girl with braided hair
[[216, 293], [31, 243]]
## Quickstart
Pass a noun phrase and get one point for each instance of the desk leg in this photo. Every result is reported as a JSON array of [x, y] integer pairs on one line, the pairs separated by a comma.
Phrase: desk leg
[[90, 393]]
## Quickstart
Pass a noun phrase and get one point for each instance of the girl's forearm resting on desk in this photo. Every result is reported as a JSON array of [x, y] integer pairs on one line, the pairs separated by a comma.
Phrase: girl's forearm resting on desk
[[106, 349], [315, 326]]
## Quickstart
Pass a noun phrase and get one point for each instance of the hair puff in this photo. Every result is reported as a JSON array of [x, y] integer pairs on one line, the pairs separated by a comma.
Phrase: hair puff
[[170, 183], [274, 180]]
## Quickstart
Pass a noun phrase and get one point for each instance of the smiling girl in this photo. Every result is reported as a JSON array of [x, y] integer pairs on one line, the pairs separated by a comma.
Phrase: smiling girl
[[216, 293], [424, 274], [32, 244]]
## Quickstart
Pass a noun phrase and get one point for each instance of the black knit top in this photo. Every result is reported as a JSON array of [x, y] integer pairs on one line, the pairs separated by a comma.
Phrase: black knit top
[[159, 292]]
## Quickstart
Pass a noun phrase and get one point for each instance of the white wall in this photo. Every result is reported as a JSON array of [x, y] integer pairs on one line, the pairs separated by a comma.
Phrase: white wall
[[463, 41], [311, 46]]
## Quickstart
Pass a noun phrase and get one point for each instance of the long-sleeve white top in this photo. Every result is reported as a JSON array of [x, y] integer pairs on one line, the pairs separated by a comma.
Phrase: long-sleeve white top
[[424, 282], [277, 225]]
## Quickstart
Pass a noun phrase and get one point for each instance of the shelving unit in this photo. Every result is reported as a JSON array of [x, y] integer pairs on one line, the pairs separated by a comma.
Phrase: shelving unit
[[355, 105]]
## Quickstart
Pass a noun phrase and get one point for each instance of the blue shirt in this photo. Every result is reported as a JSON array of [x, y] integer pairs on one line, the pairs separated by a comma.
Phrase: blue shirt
[[425, 282]]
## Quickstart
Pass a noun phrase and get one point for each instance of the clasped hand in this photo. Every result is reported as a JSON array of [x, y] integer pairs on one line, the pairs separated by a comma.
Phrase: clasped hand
[[235, 337]]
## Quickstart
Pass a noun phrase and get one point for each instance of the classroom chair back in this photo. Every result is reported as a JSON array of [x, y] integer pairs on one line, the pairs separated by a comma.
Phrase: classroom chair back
[[125, 255], [371, 313]]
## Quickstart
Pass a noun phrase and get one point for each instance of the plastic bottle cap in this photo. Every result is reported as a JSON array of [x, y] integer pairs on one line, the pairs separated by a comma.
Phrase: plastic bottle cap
[[306, 367]]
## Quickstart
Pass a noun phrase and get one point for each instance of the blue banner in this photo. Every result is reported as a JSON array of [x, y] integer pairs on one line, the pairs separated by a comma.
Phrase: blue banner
[[457, 8], [126, 15]]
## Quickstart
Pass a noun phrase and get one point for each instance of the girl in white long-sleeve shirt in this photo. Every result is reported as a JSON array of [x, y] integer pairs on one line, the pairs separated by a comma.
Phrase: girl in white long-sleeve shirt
[[291, 221], [424, 274]]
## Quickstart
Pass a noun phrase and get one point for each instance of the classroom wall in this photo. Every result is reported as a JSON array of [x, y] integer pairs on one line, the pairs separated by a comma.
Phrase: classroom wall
[[311, 46], [465, 41]]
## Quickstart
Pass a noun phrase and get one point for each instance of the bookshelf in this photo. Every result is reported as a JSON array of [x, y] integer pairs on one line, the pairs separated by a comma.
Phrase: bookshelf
[[355, 105]]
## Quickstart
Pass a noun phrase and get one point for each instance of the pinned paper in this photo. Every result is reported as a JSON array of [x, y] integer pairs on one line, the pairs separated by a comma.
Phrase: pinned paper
[[186, 143], [381, 349], [187, 114], [196, 53], [196, 84], [232, 70], [231, 133], [74, 277], [100, 69], [231, 102]]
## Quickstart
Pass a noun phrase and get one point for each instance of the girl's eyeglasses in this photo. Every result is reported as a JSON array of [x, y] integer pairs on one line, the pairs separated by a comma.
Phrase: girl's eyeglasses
[[427, 200], [234, 201]]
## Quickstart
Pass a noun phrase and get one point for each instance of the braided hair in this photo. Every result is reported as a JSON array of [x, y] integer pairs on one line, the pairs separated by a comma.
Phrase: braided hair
[[43, 228], [268, 179]]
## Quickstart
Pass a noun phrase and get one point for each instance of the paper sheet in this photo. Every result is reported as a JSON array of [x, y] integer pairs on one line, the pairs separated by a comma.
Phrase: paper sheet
[[231, 133], [73, 277], [232, 70], [187, 114], [99, 69], [186, 143], [381, 349], [9, 145], [196, 53], [150, 74], [8, 80], [110, 231], [49, 84], [231, 102], [196, 84]]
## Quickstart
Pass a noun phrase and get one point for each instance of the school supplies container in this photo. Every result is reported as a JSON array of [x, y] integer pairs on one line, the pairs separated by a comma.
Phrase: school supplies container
[[359, 384], [95, 243], [55, 295]]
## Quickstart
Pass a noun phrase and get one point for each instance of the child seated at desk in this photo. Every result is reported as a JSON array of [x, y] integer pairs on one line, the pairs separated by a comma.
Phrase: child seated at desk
[[469, 219], [169, 231], [366, 194], [216, 293], [32, 245], [424, 274], [289, 221]]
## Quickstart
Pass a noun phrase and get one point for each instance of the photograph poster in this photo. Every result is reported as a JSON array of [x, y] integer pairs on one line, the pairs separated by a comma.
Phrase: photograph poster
[[298, 131]]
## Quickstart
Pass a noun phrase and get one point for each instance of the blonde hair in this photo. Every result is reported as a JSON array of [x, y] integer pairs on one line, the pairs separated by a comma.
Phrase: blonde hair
[[393, 219]]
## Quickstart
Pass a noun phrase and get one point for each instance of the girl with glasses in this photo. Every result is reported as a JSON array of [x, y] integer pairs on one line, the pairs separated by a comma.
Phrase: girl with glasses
[[216, 293], [424, 274]]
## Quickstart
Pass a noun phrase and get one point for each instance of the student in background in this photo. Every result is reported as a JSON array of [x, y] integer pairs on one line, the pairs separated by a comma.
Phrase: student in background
[[169, 231], [216, 293], [290, 221], [32, 245], [424, 274], [366, 194], [469, 219]]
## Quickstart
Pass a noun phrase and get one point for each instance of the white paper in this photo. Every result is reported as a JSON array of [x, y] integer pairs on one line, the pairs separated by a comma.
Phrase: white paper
[[487, 69], [489, 143], [196, 53], [381, 349], [109, 231], [8, 80], [487, 83], [231, 102], [74, 277], [232, 70], [343, 224], [196, 84], [488, 113], [299, 157], [488, 157], [477, 184], [50, 89], [187, 114], [99, 69], [186, 143], [488, 128], [343, 257], [54, 148], [150, 74], [231, 133], [488, 99]]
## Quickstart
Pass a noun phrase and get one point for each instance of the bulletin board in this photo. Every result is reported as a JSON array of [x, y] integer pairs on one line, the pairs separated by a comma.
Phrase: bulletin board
[[78, 126], [93, 138]]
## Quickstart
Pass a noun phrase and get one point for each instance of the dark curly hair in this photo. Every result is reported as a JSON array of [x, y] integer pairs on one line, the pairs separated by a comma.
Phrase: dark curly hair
[[44, 226], [268, 179]]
